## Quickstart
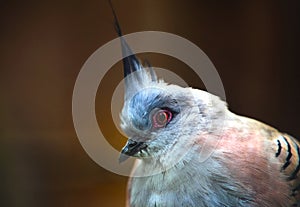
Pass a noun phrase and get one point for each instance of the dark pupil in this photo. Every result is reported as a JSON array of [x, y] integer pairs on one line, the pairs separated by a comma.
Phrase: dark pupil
[[162, 117]]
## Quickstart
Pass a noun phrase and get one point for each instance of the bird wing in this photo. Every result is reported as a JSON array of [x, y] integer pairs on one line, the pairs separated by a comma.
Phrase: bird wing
[[288, 154], [263, 160]]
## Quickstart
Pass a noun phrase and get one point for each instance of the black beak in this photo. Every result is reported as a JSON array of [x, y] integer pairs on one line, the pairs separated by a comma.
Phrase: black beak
[[131, 148]]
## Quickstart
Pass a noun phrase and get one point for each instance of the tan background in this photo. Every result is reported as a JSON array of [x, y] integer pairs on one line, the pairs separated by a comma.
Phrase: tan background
[[253, 44]]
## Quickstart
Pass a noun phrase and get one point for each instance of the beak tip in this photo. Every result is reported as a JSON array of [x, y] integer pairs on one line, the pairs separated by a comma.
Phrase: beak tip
[[123, 158], [130, 149]]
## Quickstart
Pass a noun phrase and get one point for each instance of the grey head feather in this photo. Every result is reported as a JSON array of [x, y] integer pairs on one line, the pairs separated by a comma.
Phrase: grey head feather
[[152, 73]]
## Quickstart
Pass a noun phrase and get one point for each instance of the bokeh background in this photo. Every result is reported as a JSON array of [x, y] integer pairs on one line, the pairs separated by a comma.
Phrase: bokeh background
[[253, 44]]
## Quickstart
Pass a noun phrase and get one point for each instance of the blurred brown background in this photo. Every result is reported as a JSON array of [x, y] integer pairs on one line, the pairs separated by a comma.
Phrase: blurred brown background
[[253, 44]]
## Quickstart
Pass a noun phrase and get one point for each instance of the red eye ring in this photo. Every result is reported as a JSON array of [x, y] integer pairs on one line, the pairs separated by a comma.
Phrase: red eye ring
[[161, 118]]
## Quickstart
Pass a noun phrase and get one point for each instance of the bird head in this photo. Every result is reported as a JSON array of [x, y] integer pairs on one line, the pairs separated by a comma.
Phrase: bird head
[[163, 119], [160, 119]]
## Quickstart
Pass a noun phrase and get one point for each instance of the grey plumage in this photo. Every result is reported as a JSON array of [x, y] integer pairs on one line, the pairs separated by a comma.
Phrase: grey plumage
[[172, 129]]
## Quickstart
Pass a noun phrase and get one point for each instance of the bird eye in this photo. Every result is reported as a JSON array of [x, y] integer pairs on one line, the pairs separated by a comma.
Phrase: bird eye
[[161, 118]]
